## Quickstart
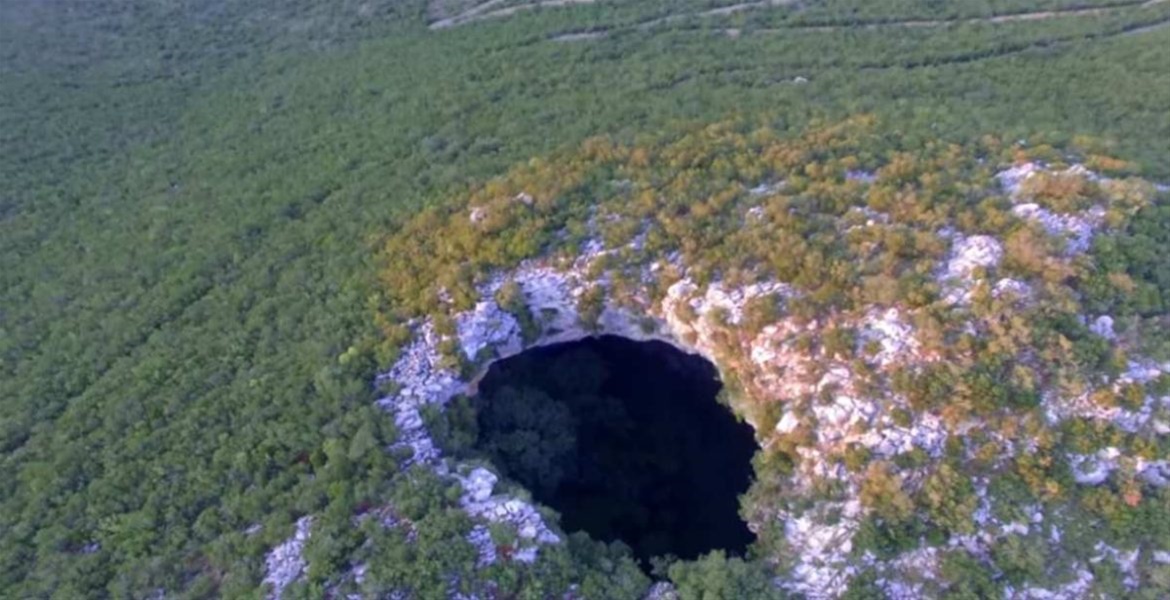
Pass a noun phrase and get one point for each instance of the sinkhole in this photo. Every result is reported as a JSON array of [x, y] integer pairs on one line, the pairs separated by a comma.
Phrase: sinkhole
[[625, 439]]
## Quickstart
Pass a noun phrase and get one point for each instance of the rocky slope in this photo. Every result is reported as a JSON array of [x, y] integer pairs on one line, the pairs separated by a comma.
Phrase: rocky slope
[[835, 397]]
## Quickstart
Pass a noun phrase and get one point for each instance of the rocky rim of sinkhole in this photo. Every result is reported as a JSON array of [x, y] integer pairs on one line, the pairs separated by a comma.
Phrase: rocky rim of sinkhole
[[832, 404]]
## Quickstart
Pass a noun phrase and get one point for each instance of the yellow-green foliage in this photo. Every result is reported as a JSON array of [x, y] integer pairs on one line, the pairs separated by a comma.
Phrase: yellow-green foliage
[[842, 242], [691, 194], [851, 215]]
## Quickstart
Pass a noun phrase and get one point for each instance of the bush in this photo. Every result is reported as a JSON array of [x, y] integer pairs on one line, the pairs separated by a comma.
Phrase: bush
[[717, 577]]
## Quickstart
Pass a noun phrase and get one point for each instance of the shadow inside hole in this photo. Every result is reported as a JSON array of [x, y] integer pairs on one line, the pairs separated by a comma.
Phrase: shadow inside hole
[[625, 439]]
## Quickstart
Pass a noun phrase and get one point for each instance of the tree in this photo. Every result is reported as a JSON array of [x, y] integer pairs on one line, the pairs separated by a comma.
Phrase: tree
[[530, 433], [717, 577], [881, 492]]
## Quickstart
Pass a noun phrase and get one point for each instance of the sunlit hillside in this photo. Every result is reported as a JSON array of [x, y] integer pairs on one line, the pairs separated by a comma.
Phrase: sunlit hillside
[[216, 227]]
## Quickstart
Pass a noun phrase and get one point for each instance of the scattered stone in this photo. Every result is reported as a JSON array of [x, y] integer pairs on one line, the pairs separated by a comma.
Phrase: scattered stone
[[286, 563], [865, 177], [1103, 327], [1076, 229], [831, 394], [767, 188]]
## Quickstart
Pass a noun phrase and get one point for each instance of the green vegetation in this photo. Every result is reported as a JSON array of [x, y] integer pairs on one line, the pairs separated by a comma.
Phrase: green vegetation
[[691, 196], [193, 193], [716, 577]]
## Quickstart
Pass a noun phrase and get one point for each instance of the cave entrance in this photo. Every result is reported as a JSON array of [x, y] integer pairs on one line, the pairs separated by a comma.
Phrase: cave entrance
[[625, 439]]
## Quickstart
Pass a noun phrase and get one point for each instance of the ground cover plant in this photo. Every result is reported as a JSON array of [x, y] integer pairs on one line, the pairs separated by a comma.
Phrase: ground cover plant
[[196, 199]]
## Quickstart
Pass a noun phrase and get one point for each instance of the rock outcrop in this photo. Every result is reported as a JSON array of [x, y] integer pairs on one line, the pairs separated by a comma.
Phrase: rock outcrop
[[831, 403]]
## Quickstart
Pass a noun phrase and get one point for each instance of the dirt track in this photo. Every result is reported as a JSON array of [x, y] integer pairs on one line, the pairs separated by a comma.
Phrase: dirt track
[[489, 10], [484, 11], [1012, 18]]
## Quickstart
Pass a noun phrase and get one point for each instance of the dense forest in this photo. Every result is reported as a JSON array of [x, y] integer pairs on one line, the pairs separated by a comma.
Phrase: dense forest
[[195, 203]]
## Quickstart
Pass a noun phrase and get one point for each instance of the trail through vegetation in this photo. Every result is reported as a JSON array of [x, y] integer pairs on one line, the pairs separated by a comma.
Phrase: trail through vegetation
[[491, 10], [193, 195], [1124, 8]]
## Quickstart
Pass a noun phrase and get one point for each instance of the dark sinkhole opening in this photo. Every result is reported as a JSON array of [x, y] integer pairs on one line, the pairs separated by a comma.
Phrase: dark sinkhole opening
[[625, 439]]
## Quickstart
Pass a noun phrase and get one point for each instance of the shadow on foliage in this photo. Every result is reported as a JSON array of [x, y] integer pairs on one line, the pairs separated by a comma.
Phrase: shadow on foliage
[[625, 440]]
